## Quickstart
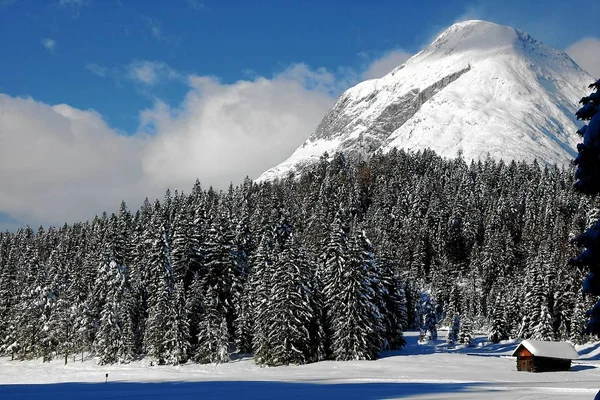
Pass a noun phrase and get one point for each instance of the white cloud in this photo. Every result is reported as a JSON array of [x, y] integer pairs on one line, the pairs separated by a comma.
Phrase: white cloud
[[75, 5], [195, 4], [221, 132], [155, 27], [97, 69], [58, 163], [150, 72], [49, 44], [385, 64], [586, 53], [144, 73]]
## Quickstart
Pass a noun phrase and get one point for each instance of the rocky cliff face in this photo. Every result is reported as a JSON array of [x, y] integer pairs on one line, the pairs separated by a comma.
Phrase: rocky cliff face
[[478, 89]]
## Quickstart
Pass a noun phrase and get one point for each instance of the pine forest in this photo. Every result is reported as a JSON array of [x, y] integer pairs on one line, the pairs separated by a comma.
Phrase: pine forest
[[331, 265]]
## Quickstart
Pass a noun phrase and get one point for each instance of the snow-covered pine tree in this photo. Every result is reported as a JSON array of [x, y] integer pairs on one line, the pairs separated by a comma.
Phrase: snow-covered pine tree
[[535, 297], [393, 308], [178, 340], [85, 329], [492, 264], [406, 202], [32, 324], [243, 247], [213, 336], [453, 331], [218, 282], [114, 341], [8, 294], [332, 273], [161, 286], [578, 323], [353, 313], [381, 281], [498, 330], [455, 242], [452, 306], [427, 316], [512, 308], [62, 326], [543, 330], [182, 248], [588, 182], [122, 246], [291, 307], [465, 335], [107, 339], [413, 297], [259, 296], [244, 323], [471, 304], [420, 259], [142, 242]]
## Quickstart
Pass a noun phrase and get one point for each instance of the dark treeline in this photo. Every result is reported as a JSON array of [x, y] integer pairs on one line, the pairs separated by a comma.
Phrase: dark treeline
[[332, 265]]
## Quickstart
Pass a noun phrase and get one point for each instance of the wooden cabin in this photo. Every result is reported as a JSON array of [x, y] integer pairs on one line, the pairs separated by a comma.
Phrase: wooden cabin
[[541, 356]]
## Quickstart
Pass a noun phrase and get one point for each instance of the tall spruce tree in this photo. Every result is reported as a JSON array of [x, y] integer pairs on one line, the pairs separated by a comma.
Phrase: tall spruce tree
[[353, 313], [161, 279], [588, 182], [427, 317], [332, 273], [453, 331], [259, 297], [498, 329], [114, 341], [218, 282], [291, 307]]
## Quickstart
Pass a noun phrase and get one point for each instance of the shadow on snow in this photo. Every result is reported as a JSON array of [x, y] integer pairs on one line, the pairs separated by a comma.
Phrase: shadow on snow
[[582, 367], [590, 353], [228, 390], [480, 347]]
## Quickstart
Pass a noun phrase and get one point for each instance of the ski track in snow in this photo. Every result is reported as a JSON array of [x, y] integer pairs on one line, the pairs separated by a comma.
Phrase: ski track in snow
[[415, 372]]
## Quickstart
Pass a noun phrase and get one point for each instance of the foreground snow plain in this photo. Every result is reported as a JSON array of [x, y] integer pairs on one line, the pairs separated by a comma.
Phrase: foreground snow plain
[[430, 371]]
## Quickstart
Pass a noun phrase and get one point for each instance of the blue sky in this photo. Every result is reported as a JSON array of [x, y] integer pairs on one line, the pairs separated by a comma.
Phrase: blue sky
[[129, 83], [232, 40]]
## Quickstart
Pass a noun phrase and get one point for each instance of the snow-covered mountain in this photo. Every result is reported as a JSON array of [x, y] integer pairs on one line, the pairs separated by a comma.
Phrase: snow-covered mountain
[[479, 88]]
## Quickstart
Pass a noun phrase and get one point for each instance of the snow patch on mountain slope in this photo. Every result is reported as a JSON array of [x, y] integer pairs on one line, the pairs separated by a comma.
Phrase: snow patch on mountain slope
[[308, 153], [479, 88]]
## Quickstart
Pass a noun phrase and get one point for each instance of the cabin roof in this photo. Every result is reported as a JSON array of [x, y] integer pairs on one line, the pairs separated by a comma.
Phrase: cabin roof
[[561, 350]]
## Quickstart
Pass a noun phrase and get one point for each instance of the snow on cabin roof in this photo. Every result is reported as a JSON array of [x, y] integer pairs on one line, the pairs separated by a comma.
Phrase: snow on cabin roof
[[540, 348]]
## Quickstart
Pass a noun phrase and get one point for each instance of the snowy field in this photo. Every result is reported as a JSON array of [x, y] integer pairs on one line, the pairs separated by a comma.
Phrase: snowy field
[[416, 372]]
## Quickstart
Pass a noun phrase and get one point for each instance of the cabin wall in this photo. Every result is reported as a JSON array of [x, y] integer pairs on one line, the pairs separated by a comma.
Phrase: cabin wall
[[542, 364], [525, 363]]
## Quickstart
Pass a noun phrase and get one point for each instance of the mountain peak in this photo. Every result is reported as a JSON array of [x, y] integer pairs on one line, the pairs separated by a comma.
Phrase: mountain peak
[[479, 89], [473, 27], [473, 24], [471, 37]]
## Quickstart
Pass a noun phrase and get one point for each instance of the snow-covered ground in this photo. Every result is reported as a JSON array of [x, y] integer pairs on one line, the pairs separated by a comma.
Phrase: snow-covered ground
[[416, 372]]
